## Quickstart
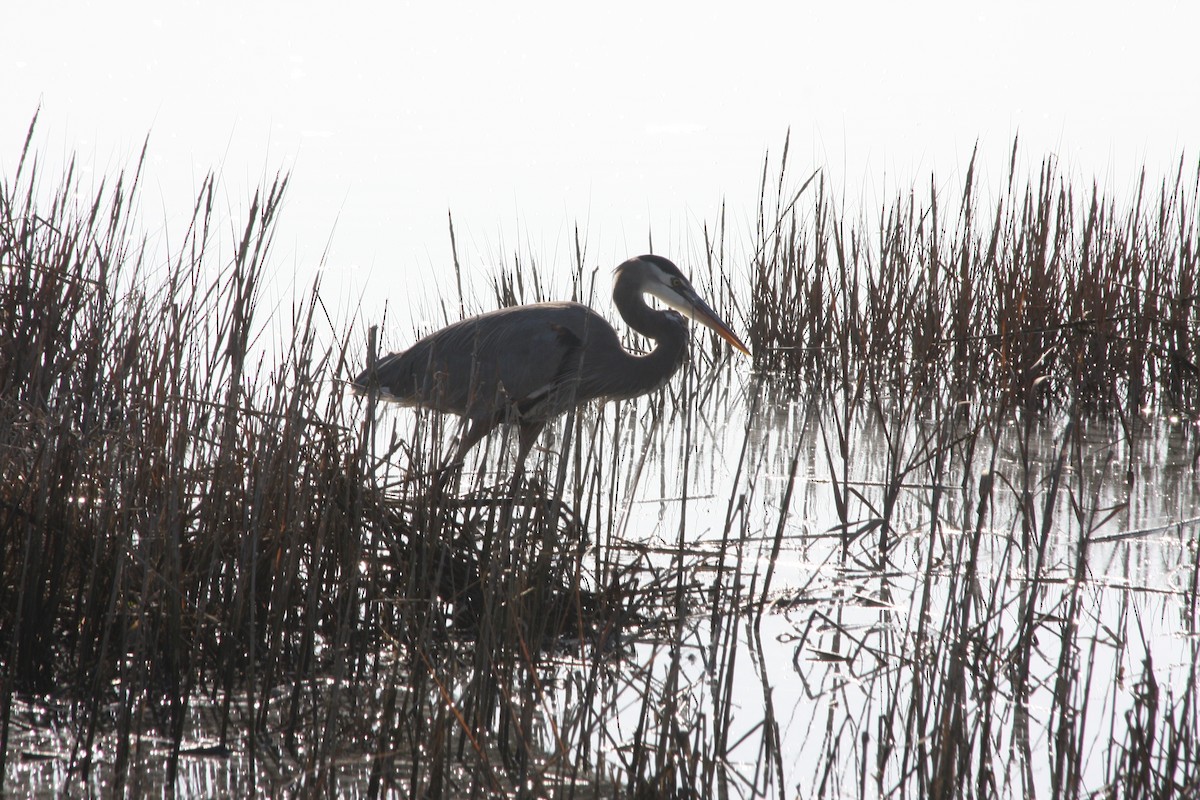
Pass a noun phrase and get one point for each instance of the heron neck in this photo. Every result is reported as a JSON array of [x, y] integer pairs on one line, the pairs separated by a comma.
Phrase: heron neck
[[631, 304], [656, 367]]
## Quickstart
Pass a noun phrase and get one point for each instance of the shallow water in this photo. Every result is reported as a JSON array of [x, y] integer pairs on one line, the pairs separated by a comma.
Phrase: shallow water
[[1052, 613], [850, 645]]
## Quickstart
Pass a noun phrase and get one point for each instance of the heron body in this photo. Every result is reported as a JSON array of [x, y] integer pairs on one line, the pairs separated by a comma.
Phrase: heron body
[[528, 364]]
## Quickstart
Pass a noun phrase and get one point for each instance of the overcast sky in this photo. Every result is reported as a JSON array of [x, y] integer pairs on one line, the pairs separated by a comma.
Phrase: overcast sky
[[620, 116]]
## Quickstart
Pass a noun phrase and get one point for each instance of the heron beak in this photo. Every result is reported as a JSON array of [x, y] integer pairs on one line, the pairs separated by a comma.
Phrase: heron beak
[[700, 312], [687, 301]]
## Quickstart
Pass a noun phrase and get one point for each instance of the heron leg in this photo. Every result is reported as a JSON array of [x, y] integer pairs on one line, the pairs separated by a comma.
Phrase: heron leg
[[526, 439], [479, 428], [448, 472]]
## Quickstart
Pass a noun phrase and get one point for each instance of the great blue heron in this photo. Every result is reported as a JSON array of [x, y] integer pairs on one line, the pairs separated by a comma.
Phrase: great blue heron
[[528, 364]]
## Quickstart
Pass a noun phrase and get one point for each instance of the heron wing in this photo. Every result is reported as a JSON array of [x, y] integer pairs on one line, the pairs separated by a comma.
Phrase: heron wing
[[523, 360]]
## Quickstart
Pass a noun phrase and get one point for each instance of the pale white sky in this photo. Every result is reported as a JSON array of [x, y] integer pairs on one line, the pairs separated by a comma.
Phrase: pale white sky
[[618, 115]]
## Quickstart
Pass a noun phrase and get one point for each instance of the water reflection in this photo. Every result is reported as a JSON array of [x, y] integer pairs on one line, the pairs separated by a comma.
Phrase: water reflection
[[945, 584], [835, 599]]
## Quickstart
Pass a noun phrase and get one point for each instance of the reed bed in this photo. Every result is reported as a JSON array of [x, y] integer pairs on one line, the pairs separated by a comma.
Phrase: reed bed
[[989, 406], [209, 554], [1046, 296], [914, 555]]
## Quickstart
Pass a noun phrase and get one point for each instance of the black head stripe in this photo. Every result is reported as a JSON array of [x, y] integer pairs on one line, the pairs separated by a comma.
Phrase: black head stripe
[[663, 264]]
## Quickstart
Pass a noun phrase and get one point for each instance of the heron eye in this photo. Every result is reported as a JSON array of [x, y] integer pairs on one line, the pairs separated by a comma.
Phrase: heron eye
[[676, 282]]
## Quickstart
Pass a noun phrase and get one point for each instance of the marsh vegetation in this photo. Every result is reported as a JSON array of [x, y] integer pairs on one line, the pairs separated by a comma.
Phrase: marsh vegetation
[[941, 540]]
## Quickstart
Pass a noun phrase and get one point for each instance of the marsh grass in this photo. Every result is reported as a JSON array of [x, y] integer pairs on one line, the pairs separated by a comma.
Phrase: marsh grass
[[988, 399], [212, 553], [1047, 296], [905, 559]]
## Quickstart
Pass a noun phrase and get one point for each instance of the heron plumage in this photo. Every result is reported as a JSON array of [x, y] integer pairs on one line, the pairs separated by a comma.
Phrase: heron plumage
[[528, 364]]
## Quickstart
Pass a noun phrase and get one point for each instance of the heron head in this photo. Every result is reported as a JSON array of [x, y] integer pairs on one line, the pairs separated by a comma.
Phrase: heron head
[[659, 277]]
